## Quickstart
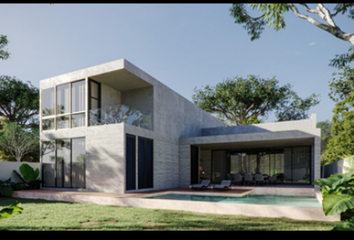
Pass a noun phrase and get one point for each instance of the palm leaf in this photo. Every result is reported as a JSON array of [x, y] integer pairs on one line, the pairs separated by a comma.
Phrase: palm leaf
[[9, 211], [335, 204]]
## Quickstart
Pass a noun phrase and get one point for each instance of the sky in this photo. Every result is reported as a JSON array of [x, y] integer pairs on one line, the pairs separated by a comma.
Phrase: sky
[[184, 46]]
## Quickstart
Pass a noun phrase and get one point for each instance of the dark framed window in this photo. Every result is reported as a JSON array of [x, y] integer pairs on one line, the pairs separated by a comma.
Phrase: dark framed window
[[95, 94]]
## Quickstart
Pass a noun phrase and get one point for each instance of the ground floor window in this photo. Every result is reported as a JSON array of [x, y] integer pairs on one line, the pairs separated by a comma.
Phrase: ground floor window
[[63, 163]]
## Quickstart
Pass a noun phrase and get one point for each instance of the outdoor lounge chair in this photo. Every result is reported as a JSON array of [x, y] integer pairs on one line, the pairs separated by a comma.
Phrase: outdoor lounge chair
[[225, 184], [203, 185]]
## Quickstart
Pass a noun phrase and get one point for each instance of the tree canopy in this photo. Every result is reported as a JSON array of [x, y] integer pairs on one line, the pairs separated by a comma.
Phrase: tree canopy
[[19, 101], [3, 53], [272, 14], [240, 101]]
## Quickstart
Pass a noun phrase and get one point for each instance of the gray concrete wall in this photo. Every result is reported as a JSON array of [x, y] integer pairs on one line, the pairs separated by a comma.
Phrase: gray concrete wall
[[173, 117], [141, 99], [105, 155], [109, 96]]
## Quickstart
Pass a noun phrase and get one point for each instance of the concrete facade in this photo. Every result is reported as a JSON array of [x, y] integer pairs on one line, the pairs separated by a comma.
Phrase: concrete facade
[[176, 125], [173, 117]]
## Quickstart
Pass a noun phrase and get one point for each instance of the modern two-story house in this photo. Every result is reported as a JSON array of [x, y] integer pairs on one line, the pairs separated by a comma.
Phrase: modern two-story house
[[114, 128]]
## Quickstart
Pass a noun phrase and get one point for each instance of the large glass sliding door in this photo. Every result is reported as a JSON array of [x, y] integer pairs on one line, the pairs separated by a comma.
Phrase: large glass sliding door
[[145, 163], [48, 163], [63, 163], [290, 165], [139, 171], [78, 154], [301, 165], [130, 164]]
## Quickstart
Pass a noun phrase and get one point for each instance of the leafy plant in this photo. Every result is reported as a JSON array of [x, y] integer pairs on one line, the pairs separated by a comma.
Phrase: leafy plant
[[5, 188], [338, 196], [348, 225], [29, 176], [9, 211]]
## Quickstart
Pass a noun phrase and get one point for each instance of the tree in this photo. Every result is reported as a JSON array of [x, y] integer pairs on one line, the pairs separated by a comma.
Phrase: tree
[[326, 134], [295, 108], [241, 101], [341, 144], [19, 101], [338, 197], [272, 14], [3, 42], [343, 85], [18, 140]]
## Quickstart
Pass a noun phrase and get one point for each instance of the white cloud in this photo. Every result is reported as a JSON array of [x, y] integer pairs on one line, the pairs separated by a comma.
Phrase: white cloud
[[298, 53], [312, 44]]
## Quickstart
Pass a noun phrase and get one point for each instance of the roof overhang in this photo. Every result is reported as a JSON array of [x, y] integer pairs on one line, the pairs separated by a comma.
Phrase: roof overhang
[[252, 140], [122, 80]]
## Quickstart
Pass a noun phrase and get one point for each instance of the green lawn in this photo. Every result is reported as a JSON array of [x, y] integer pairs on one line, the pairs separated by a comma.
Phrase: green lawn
[[42, 215]]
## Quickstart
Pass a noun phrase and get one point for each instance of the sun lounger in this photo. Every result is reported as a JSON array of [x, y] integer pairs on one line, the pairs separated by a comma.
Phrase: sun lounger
[[225, 184], [203, 185]]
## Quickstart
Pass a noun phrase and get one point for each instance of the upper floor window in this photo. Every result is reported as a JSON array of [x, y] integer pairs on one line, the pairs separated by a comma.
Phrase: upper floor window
[[48, 102], [64, 106], [78, 96], [63, 99]]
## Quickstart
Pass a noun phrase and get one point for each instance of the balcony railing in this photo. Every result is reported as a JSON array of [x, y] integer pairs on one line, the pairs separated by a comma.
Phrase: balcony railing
[[120, 114]]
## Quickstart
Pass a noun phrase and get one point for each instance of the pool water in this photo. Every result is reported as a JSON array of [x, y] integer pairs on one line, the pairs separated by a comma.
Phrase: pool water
[[297, 201]]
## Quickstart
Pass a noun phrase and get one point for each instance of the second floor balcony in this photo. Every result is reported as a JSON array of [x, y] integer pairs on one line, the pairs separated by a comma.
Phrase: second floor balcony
[[120, 114]]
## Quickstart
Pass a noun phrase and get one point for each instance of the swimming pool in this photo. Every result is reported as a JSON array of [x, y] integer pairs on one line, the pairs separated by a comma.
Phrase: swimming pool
[[297, 201]]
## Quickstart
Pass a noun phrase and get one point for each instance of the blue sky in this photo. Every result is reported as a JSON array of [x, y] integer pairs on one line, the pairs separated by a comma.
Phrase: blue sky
[[182, 45]]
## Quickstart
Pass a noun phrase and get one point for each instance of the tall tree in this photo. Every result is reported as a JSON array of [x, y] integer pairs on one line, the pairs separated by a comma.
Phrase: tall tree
[[240, 101], [341, 144], [19, 101], [272, 14], [3, 53]]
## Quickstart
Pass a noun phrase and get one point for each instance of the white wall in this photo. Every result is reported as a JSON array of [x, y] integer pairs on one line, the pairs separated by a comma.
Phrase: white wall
[[6, 170]]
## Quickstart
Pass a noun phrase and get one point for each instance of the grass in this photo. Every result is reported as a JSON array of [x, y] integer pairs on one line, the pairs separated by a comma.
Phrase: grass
[[42, 215]]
